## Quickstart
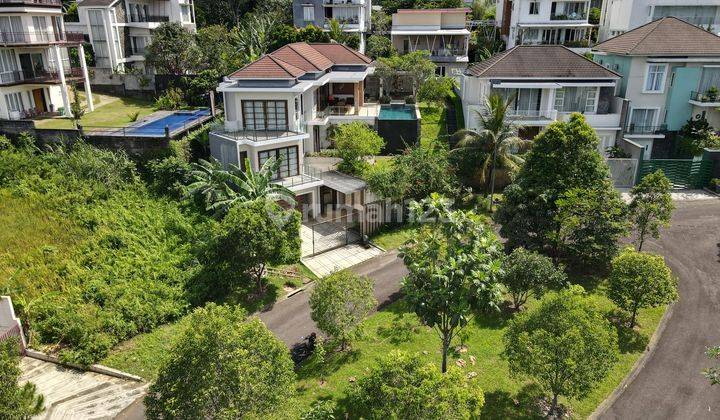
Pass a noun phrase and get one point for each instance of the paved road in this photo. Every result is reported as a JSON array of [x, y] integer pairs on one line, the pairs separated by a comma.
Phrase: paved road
[[670, 385], [290, 319]]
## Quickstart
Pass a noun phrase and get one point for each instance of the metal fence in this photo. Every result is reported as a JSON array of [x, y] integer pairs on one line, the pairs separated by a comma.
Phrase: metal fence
[[332, 233], [683, 173], [623, 171]]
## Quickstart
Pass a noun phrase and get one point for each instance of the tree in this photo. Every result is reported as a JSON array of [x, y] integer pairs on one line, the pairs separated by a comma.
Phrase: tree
[[564, 156], [172, 50], [483, 10], [16, 402], [436, 90], [640, 280], [253, 36], [339, 303], [355, 141], [415, 65], [452, 263], [525, 272], [219, 53], [222, 366], [281, 35], [256, 234], [565, 344], [76, 107], [651, 206], [221, 12], [379, 46], [696, 135], [221, 189], [400, 386], [312, 33], [497, 142], [590, 223]]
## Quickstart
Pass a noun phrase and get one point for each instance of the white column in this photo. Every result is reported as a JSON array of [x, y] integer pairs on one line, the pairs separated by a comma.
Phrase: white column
[[63, 84], [86, 78]]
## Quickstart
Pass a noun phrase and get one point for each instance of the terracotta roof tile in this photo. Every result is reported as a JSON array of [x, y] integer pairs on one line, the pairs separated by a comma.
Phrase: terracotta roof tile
[[539, 61], [268, 67], [302, 56], [340, 54], [668, 36]]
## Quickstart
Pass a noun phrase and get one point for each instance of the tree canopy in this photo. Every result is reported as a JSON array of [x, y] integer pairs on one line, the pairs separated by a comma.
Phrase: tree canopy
[[16, 402], [526, 272], [651, 206], [415, 65], [172, 50], [355, 141], [565, 344], [222, 366], [401, 386]]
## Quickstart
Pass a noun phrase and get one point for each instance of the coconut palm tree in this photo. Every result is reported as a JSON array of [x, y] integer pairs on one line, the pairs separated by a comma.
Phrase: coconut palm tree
[[223, 188], [497, 140]]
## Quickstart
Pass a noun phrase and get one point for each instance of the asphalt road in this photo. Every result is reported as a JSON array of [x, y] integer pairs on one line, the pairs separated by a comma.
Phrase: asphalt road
[[290, 319], [670, 385]]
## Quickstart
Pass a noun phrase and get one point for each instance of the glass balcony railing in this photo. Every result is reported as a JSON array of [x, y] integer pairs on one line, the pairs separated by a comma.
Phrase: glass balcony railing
[[259, 135], [645, 129]]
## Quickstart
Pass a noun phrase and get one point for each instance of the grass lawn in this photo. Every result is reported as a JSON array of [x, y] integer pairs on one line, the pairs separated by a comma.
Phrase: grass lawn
[[396, 327], [110, 111], [391, 237], [432, 123]]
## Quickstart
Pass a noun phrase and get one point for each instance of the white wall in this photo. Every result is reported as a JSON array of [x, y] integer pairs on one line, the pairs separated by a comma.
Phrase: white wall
[[233, 108]]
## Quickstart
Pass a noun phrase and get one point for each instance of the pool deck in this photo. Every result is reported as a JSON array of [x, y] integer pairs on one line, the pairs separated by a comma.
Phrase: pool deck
[[130, 129]]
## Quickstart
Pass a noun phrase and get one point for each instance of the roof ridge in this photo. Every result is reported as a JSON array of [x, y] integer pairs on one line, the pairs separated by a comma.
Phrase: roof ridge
[[591, 61], [285, 65], [657, 23], [291, 46]]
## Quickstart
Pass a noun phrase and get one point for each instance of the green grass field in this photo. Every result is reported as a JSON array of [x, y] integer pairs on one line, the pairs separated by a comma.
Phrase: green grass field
[[110, 111]]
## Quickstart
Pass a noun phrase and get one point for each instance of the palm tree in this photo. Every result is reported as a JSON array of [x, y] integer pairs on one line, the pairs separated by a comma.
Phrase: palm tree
[[497, 140], [223, 188]]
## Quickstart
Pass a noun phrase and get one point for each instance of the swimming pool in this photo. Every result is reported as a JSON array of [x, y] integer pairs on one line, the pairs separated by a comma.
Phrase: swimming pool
[[397, 112], [175, 121]]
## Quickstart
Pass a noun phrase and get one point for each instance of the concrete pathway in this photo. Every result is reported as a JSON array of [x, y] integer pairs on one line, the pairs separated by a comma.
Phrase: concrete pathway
[[670, 384], [75, 394], [340, 258]]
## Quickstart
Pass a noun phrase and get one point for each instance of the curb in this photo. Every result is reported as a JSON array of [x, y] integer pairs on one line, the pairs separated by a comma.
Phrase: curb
[[636, 369], [103, 370]]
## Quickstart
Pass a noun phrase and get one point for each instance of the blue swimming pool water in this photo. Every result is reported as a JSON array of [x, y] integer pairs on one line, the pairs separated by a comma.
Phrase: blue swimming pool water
[[174, 121], [405, 112]]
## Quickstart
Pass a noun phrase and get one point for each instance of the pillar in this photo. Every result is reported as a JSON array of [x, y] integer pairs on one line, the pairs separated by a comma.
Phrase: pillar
[[86, 78], [63, 84]]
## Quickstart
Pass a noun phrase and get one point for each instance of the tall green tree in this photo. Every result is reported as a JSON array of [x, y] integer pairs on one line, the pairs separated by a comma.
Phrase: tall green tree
[[640, 280], [651, 206], [354, 142], [222, 366], [219, 52], [497, 141], [415, 65], [339, 303], [436, 90], [378, 46], [172, 50], [563, 157], [16, 401], [526, 273], [565, 344], [453, 263], [253, 35], [401, 386]]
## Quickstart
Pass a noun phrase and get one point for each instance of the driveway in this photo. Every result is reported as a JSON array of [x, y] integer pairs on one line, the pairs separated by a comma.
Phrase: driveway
[[670, 385], [290, 319]]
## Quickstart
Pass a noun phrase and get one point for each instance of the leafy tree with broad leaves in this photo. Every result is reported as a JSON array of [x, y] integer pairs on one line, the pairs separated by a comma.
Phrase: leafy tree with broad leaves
[[415, 65], [565, 344], [640, 280], [253, 35], [172, 50], [564, 156], [221, 189], [355, 141], [401, 386], [526, 272], [590, 223], [256, 234], [339, 303], [16, 402], [453, 263], [222, 366], [651, 206], [219, 52], [379, 46], [436, 89]]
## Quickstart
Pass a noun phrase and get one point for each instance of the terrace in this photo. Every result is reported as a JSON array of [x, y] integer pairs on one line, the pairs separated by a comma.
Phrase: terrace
[[53, 3], [40, 38], [38, 76]]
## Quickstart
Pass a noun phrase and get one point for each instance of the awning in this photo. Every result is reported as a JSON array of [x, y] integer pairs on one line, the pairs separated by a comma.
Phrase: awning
[[343, 183], [525, 85]]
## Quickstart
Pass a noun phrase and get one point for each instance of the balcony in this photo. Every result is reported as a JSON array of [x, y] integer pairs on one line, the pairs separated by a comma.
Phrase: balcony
[[149, 18], [705, 99], [581, 15], [345, 22], [448, 53], [644, 130], [260, 136], [370, 110], [37, 76], [54, 3], [40, 38], [343, 2], [540, 115]]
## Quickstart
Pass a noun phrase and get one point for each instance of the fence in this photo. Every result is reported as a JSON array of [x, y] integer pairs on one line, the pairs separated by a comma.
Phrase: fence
[[623, 171], [332, 233], [683, 173]]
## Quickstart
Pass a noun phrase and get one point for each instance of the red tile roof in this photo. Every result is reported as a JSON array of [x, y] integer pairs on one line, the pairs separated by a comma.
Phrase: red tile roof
[[668, 36], [294, 60]]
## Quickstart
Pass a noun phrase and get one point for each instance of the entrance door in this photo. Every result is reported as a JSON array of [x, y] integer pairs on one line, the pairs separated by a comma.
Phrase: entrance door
[[31, 65], [327, 200], [39, 99]]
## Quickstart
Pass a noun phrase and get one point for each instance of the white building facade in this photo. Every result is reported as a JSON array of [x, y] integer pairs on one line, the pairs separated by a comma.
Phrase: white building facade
[[352, 15], [35, 67]]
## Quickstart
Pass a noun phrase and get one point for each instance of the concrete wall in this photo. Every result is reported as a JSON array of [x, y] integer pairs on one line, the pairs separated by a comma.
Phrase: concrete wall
[[10, 325], [298, 13]]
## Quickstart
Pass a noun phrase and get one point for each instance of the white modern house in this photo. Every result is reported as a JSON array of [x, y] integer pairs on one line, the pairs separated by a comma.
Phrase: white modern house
[[442, 32], [544, 22], [352, 15], [35, 68], [671, 71], [119, 31], [281, 106], [620, 16], [546, 83]]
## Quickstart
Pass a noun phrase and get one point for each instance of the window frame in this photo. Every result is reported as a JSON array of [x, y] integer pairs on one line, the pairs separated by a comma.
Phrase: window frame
[[265, 113], [656, 116], [534, 5], [311, 15], [283, 165], [663, 81]]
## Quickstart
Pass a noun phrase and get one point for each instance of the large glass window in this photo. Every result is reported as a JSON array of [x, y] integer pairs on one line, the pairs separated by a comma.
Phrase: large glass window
[[186, 13], [576, 99], [309, 13], [8, 66], [265, 115], [710, 78], [40, 25], [642, 119], [99, 40], [655, 78], [288, 157], [697, 15], [14, 102], [11, 29]]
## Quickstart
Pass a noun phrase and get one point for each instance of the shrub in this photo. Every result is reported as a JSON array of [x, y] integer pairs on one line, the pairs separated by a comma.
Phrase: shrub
[[169, 175], [171, 100], [355, 141]]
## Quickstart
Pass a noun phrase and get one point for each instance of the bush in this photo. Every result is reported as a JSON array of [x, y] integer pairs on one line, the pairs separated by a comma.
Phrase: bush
[[384, 99], [379, 46], [171, 100], [355, 141], [169, 175], [410, 100]]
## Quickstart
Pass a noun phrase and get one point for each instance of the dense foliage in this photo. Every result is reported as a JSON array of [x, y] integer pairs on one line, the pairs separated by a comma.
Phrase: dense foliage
[[339, 303], [415, 66], [379, 46], [436, 90], [172, 49], [402, 387], [453, 263], [640, 280], [222, 366], [651, 206], [16, 402], [697, 135], [565, 344], [526, 272], [355, 142]]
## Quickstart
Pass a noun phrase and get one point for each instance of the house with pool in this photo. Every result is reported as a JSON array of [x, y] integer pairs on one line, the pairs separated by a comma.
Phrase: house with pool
[[284, 105]]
